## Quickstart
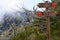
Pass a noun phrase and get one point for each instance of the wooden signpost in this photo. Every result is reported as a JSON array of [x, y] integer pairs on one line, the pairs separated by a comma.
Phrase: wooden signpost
[[48, 13]]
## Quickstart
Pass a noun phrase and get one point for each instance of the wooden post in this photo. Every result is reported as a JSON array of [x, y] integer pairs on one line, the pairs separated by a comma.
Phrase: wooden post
[[47, 20], [48, 24]]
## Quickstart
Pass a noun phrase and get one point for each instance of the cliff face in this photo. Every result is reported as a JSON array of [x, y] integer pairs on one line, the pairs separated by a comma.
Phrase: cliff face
[[13, 21]]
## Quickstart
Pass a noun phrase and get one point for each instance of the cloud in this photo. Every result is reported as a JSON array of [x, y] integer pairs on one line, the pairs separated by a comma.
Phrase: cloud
[[13, 5], [9, 6]]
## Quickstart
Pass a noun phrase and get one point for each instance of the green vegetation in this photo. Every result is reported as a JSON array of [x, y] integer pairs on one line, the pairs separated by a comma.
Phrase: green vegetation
[[37, 31]]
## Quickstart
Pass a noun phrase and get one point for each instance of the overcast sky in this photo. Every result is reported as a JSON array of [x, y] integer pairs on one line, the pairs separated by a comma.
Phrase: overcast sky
[[11, 5]]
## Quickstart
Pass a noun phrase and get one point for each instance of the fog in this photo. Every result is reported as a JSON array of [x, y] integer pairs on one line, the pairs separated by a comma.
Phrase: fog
[[7, 6]]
